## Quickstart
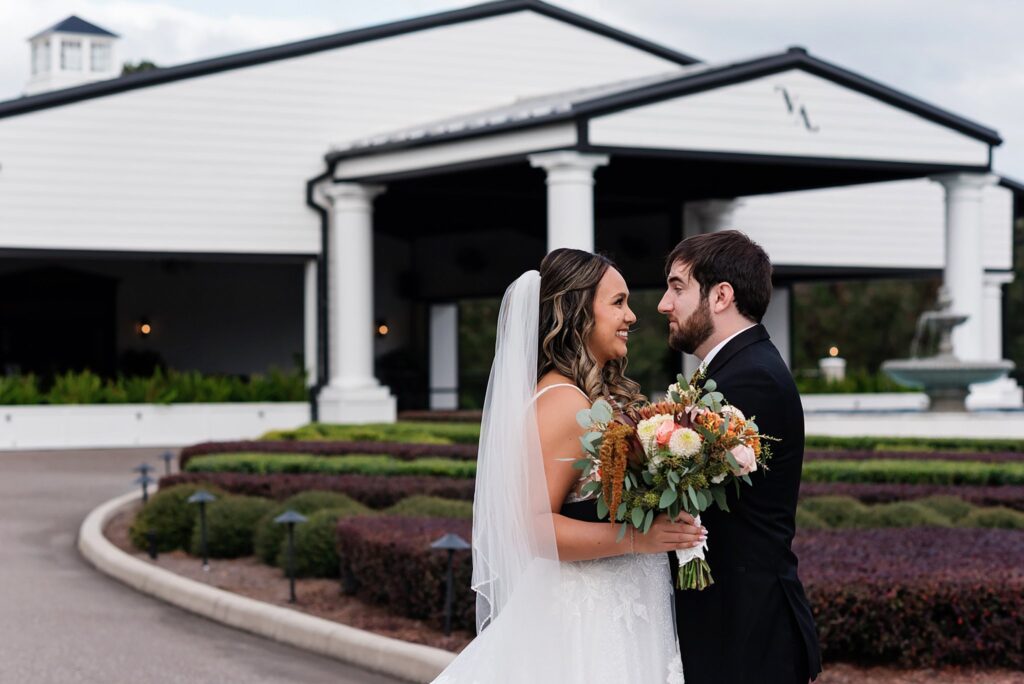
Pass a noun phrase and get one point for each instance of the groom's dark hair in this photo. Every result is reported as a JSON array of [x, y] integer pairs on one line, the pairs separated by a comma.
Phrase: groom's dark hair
[[728, 256]]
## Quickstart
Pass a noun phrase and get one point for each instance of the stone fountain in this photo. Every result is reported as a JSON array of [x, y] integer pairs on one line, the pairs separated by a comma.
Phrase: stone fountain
[[943, 377]]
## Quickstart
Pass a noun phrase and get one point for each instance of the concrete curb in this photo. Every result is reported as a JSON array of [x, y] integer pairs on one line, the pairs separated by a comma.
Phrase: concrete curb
[[393, 657]]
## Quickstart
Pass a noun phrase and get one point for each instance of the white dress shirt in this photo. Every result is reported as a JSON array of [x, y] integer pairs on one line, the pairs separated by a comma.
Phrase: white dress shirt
[[706, 361]]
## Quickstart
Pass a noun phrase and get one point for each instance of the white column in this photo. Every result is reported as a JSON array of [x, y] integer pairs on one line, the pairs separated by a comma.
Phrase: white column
[[444, 356], [570, 183], [776, 321], [309, 319], [1003, 393], [964, 269], [353, 394]]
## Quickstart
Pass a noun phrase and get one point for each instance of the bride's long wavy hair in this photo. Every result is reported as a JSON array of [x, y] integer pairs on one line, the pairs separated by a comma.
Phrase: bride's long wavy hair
[[568, 283]]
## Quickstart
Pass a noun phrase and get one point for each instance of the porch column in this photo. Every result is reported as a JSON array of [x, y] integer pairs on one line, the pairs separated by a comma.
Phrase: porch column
[[309, 306], [444, 356], [1003, 393], [964, 271], [570, 183], [353, 394]]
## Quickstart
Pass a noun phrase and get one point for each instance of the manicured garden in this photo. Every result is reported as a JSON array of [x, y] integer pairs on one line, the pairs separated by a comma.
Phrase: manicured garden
[[912, 551]]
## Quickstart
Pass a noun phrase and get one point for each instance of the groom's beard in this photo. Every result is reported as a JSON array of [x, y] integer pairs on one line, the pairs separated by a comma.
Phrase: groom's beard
[[694, 331]]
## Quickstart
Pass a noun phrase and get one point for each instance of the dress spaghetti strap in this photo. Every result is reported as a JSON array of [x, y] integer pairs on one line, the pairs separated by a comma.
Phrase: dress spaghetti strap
[[560, 384]]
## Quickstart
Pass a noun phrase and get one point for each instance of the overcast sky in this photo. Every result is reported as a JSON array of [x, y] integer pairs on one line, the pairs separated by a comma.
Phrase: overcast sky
[[962, 55]]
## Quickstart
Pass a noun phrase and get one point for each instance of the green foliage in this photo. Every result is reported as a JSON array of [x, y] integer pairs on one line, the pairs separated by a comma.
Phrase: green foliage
[[265, 464], [269, 535], [230, 523], [432, 507], [316, 543], [914, 444], [952, 508], [915, 472], [902, 514], [169, 514], [840, 312], [996, 516], [162, 387], [478, 323], [834, 511], [1013, 325], [135, 67], [855, 382], [15, 389], [806, 520], [403, 431]]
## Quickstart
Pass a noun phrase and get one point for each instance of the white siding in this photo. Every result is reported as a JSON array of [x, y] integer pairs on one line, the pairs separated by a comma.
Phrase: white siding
[[752, 117], [896, 225], [219, 163]]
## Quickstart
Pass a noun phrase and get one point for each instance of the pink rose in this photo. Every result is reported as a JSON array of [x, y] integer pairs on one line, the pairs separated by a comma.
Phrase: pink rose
[[745, 457], [664, 433]]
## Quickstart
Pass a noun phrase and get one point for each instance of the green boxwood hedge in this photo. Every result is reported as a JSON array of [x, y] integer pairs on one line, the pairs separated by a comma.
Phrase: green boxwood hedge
[[844, 512], [358, 464], [316, 547], [432, 507], [915, 472], [418, 432], [230, 524], [169, 514], [269, 535]]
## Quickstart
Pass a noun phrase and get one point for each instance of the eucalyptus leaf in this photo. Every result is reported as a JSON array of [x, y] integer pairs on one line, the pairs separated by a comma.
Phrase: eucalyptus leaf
[[648, 478], [638, 517], [733, 463], [710, 385], [746, 478], [581, 463], [584, 418], [628, 483], [602, 508], [620, 512], [648, 519], [719, 494], [592, 437], [693, 497], [622, 533], [601, 411], [590, 488], [668, 497]]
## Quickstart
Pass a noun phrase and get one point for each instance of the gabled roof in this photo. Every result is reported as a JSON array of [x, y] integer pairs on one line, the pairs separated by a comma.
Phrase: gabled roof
[[75, 24], [304, 47], [581, 105]]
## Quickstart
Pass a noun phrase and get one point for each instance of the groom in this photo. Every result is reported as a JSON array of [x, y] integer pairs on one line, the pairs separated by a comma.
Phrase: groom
[[754, 625]]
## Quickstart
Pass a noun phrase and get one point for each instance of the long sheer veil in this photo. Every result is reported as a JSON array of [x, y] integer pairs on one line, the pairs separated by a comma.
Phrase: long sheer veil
[[514, 553]]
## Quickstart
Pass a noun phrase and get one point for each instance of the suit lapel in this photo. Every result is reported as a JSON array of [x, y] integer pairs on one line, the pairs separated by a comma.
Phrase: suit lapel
[[734, 347]]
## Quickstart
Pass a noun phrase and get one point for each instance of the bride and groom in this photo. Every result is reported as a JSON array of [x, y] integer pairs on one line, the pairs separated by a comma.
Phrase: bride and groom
[[560, 598]]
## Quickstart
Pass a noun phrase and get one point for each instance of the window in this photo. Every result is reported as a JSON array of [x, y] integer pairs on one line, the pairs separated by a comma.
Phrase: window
[[71, 55], [100, 57], [40, 57]]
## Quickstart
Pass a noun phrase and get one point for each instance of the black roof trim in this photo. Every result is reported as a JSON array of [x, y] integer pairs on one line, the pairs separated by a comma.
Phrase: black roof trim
[[710, 79], [253, 57], [1016, 186], [75, 24]]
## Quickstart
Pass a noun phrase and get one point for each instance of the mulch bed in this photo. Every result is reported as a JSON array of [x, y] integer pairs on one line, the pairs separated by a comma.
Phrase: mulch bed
[[320, 597]]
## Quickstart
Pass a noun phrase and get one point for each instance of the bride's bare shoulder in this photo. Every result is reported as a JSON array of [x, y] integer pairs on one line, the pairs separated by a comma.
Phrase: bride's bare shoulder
[[558, 405]]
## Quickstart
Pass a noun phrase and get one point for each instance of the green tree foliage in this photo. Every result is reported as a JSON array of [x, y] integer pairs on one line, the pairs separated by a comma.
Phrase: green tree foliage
[[141, 65], [1013, 305]]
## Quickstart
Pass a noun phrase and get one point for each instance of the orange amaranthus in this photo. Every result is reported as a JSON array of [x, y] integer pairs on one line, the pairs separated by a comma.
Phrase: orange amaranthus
[[614, 455]]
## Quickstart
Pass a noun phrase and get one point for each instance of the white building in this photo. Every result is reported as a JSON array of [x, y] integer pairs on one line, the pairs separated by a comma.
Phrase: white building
[[289, 201]]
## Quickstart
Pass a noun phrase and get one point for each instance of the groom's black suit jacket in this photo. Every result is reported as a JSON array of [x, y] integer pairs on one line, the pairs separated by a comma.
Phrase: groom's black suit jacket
[[754, 625]]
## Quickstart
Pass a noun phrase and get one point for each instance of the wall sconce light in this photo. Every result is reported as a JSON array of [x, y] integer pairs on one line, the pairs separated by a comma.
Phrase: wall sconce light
[[382, 328], [833, 351], [144, 328]]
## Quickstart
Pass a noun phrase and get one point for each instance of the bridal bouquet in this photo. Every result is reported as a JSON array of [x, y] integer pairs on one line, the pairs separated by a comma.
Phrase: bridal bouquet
[[676, 455]]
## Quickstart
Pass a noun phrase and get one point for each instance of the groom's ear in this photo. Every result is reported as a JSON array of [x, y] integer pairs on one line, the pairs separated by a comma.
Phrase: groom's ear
[[722, 297]]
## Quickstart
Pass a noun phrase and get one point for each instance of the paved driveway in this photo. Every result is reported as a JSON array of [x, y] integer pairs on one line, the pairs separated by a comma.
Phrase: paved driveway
[[61, 621]]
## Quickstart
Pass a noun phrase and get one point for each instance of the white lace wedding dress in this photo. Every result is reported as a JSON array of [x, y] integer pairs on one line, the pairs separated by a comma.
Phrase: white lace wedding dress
[[611, 620]]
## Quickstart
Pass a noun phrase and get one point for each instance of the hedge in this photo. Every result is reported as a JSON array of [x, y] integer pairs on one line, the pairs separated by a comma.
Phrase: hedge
[[1011, 496], [388, 560], [169, 515], [398, 450], [374, 491], [921, 597], [230, 525], [915, 472], [356, 464], [269, 535], [915, 455], [420, 506], [410, 432], [913, 444], [316, 547]]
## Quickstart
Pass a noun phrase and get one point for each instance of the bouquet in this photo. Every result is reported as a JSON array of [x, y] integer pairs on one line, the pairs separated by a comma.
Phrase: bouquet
[[676, 455]]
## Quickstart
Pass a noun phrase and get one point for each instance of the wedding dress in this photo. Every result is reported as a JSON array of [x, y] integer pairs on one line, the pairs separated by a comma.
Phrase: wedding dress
[[540, 620]]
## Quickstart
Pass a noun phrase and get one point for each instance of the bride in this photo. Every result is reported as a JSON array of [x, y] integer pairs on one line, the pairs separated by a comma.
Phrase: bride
[[559, 598]]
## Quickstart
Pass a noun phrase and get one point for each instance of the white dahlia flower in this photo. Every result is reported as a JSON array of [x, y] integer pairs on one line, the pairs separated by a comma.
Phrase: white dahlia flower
[[646, 430], [684, 443]]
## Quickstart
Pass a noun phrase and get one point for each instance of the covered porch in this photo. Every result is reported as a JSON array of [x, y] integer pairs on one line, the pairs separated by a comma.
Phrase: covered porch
[[418, 219]]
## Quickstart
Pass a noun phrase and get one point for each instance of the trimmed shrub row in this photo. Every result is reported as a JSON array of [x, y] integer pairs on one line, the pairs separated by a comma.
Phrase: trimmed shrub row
[[831, 512], [389, 561], [399, 450], [913, 444], [373, 491], [268, 535], [1010, 496], [402, 431], [163, 387], [356, 464], [915, 472], [924, 597], [915, 455], [454, 416]]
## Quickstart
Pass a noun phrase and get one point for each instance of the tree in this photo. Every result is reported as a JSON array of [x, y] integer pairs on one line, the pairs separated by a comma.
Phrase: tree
[[1013, 306], [141, 65]]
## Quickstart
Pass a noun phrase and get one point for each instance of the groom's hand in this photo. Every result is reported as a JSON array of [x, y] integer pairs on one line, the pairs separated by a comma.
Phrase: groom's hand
[[667, 535]]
